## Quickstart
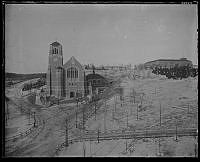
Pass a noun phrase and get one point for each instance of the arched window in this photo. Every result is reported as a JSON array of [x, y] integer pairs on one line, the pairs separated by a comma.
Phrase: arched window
[[72, 73]]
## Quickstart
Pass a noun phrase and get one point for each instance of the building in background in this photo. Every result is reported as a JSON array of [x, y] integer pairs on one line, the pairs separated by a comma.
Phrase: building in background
[[96, 83], [168, 63]]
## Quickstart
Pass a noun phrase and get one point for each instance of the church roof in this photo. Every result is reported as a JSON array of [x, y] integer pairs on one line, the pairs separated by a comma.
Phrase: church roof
[[73, 61], [94, 76], [55, 44], [59, 67]]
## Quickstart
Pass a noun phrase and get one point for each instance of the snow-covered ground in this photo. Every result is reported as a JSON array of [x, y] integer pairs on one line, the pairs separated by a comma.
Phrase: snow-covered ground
[[175, 98], [17, 122]]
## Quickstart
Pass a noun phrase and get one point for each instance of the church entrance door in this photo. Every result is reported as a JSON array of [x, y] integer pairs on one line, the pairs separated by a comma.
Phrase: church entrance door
[[71, 94]]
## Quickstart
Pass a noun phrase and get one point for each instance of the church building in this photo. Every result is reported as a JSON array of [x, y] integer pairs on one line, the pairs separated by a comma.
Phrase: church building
[[64, 80]]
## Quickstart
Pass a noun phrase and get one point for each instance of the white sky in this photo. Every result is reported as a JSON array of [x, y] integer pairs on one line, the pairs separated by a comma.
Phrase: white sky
[[99, 34]]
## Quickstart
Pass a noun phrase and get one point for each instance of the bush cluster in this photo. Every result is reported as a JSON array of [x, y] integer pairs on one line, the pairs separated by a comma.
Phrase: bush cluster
[[37, 84], [176, 72]]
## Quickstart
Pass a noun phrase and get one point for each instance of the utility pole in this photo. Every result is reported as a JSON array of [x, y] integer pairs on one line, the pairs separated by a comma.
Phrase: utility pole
[[105, 117], [95, 109], [7, 110], [113, 114], [98, 135], [195, 150], [115, 103], [29, 118], [66, 135], [133, 95], [188, 108], [159, 146], [131, 110], [141, 98], [90, 148], [83, 118], [137, 111], [34, 124], [84, 149], [176, 129], [160, 115], [126, 146], [6, 113], [76, 119], [127, 120]]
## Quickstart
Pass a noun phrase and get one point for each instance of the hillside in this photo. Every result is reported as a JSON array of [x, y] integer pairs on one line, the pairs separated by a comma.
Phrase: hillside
[[14, 76]]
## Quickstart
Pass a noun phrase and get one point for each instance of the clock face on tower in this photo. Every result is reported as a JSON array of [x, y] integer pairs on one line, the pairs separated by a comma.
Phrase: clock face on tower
[[55, 59]]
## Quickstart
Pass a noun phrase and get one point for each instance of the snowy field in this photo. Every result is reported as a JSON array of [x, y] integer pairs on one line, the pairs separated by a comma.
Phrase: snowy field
[[177, 101]]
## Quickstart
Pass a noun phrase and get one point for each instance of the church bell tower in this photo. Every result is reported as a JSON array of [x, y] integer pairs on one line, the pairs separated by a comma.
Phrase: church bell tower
[[55, 63]]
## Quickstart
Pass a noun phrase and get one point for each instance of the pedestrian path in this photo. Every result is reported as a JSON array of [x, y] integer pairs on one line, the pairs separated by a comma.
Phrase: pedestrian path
[[17, 125]]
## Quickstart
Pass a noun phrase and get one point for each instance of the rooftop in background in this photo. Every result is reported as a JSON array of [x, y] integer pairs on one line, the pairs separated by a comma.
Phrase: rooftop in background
[[55, 44], [181, 59]]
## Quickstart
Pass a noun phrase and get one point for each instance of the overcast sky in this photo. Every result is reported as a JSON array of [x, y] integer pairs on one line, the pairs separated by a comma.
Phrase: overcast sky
[[99, 34]]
